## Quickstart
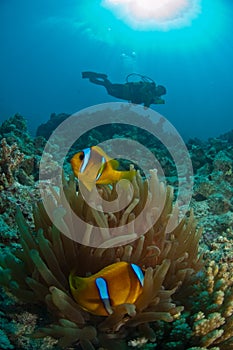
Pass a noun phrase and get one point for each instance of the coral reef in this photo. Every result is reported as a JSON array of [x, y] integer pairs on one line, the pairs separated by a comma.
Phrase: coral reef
[[207, 320], [19, 162], [228, 136], [213, 191], [46, 129], [10, 159], [14, 133], [16, 322]]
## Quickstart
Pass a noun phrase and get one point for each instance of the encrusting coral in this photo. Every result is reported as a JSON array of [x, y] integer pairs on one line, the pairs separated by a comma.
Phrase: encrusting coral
[[39, 272]]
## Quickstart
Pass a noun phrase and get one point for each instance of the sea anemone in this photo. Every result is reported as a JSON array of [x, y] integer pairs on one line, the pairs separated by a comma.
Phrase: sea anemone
[[39, 272]]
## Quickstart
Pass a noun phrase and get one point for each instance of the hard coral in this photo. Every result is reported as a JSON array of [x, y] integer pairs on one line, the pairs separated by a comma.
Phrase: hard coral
[[207, 322], [10, 160], [214, 324], [39, 272]]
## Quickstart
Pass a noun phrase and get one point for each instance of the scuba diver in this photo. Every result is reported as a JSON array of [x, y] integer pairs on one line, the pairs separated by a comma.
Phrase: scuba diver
[[143, 91]]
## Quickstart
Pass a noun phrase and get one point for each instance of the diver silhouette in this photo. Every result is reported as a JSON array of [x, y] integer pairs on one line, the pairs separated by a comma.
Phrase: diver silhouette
[[143, 91]]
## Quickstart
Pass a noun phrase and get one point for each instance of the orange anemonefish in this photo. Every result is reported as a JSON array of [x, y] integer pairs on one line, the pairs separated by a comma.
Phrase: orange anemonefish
[[114, 285], [92, 165]]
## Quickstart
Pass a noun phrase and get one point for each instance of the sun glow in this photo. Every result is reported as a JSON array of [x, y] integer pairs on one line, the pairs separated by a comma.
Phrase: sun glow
[[155, 14]]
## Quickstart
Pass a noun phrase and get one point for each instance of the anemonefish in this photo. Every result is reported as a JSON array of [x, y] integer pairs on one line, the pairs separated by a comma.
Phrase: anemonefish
[[93, 166], [114, 285]]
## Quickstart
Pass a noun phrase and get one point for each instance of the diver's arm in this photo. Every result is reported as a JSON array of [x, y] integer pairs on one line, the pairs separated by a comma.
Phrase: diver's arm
[[158, 101], [148, 98]]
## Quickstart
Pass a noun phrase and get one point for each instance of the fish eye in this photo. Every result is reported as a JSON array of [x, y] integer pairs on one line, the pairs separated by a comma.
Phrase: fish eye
[[81, 157]]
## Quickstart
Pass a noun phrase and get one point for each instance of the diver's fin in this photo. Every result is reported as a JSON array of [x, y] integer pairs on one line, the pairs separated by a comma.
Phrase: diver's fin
[[93, 75]]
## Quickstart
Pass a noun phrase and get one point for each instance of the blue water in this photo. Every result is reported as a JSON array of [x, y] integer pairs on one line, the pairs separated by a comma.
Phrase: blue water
[[46, 44]]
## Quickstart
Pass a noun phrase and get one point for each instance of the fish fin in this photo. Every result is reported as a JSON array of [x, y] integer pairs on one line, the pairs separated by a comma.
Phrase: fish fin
[[110, 167], [76, 282], [132, 173], [114, 163], [88, 184], [92, 173], [128, 174]]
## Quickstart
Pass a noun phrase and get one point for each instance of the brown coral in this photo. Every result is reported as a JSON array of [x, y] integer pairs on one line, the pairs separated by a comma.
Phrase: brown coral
[[10, 159], [39, 273]]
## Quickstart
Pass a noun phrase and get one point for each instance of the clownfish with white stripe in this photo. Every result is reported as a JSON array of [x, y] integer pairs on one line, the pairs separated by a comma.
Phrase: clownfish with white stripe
[[93, 166], [116, 284]]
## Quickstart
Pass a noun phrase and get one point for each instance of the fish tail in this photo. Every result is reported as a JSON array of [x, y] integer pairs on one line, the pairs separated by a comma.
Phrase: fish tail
[[130, 174]]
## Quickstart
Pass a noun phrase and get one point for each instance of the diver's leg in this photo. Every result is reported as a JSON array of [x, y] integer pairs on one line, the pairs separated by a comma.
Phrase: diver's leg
[[118, 91]]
